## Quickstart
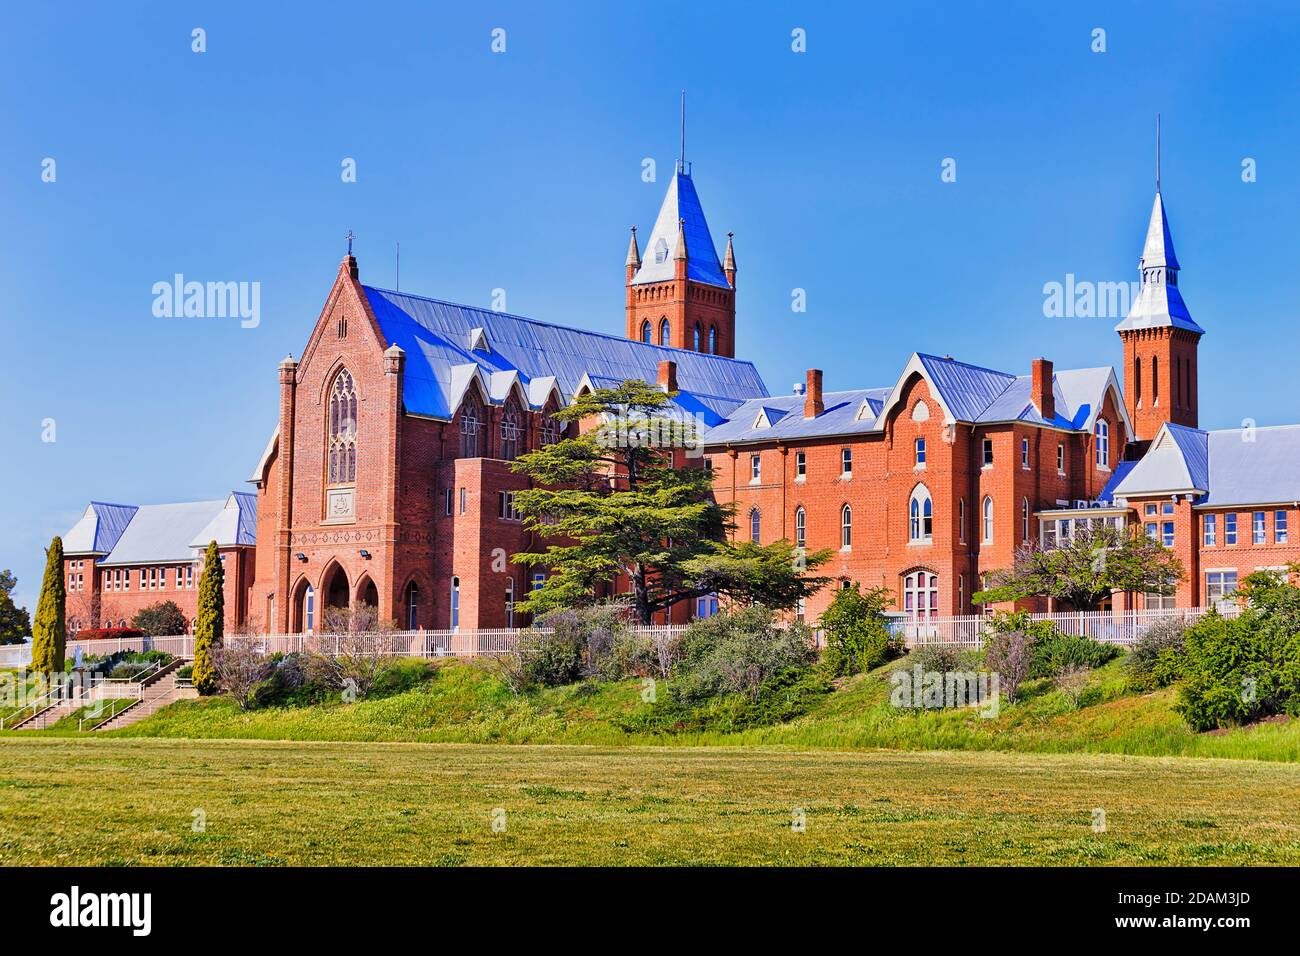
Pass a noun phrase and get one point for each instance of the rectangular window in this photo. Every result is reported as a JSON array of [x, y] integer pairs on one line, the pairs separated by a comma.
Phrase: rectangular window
[[1024, 453], [1167, 534], [1259, 530], [79, 581], [464, 500], [920, 451], [449, 500], [1159, 602], [988, 451], [1211, 523], [153, 579], [1167, 508], [800, 464], [1219, 585], [755, 467], [1151, 508], [1060, 459], [846, 462], [506, 506], [1153, 531], [189, 576], [539, 578], [1279, 527], [1230, 528]]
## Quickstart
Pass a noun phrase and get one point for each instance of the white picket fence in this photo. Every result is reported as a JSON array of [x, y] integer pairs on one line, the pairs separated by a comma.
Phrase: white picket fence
[[464, 642], [1114, 627], [970, 630]]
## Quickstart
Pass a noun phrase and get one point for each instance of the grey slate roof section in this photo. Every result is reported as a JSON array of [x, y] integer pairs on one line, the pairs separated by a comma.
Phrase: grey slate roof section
[[785, 414], [702, 265], [1232, 466], [99, 529], [169, 533], [1263, 471], [440, 364]]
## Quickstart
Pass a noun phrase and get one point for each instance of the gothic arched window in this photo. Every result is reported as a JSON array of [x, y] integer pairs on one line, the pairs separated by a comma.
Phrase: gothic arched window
[[800, 528], [551, 428], [471, 414], [755, 525], [920, 515], [645, 332], [697, 336], [663, 331], [713, 340], [343, 430], [510, 431]]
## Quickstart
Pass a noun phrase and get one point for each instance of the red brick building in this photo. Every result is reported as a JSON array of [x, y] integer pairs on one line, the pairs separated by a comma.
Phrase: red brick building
[[120, 559], [388, 480]]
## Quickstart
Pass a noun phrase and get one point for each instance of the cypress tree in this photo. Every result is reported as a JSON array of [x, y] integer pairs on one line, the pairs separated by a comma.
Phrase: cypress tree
[[209, 622], [49, 629]]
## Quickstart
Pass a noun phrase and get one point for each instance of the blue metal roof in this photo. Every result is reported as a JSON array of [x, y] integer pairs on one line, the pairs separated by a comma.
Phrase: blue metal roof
[[99, 529], [1119, 474], [681, 202], [1194, 445], [440, 362], [967, 390], [843, 415]]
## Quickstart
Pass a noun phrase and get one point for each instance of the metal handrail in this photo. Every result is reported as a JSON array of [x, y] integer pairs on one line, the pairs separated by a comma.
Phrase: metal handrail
[[113, 712]]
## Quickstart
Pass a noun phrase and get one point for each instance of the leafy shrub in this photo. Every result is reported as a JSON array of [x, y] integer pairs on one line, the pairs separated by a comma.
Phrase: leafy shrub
[[737, 652], [858, 638], [1054, 652], [1154, 661], [106, 633], [552, 658], [1235, 670], [160, 619]]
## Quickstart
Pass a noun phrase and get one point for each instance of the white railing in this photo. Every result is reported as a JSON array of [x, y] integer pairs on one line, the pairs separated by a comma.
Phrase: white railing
[[15, 655], [1115, 627], [463, 642]]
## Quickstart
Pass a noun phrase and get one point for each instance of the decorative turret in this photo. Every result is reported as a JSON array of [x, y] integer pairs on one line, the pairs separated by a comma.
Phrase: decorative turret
[[729, 262], [1160, 339], [680, 281], [633, 262]]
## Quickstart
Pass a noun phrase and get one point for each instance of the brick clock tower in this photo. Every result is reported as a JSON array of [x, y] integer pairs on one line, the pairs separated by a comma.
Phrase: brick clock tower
[[680, 295], [1160, 339]]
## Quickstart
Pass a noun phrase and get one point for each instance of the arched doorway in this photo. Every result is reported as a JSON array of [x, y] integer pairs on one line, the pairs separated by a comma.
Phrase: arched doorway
[[367, 593], [411, 602], [335, 588], [305, 613]]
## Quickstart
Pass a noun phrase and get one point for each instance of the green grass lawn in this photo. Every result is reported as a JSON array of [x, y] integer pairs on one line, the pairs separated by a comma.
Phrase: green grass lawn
[[116, 801], [459, 702]]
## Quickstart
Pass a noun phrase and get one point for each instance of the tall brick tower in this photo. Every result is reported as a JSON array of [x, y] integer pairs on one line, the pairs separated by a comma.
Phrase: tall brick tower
[[1160, 339], [680, 294]]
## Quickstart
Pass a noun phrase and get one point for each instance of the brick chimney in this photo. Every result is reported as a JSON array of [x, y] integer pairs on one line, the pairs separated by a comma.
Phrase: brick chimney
[[812, 399], [1041, 389], [668, 375]]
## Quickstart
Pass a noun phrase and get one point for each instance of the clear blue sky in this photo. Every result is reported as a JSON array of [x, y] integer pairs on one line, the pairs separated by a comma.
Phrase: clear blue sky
[[522, 171]]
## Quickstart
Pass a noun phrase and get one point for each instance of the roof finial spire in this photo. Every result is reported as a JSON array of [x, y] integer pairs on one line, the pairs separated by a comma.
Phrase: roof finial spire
[[349, 237], [681, 163], [1157, 152]]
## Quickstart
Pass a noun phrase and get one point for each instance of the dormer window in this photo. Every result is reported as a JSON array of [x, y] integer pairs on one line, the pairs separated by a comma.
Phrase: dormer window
[[661, 249]]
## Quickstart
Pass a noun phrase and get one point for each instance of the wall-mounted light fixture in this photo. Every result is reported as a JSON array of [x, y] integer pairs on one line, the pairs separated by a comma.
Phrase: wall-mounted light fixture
[[365, 554], [300, 556]]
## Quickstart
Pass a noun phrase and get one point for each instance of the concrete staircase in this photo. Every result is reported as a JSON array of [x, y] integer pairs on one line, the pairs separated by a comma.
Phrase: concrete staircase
[[50, 715], [160, 692]]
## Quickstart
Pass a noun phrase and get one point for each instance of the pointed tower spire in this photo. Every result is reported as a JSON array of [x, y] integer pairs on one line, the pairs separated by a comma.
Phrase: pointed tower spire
[[679, 251], [1159, 334], [729, 261], [633, 254]]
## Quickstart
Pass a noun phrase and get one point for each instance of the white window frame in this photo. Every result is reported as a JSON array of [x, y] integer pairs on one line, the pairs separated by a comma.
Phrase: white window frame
[[986, 520], [920, 516], [1102, 430]]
